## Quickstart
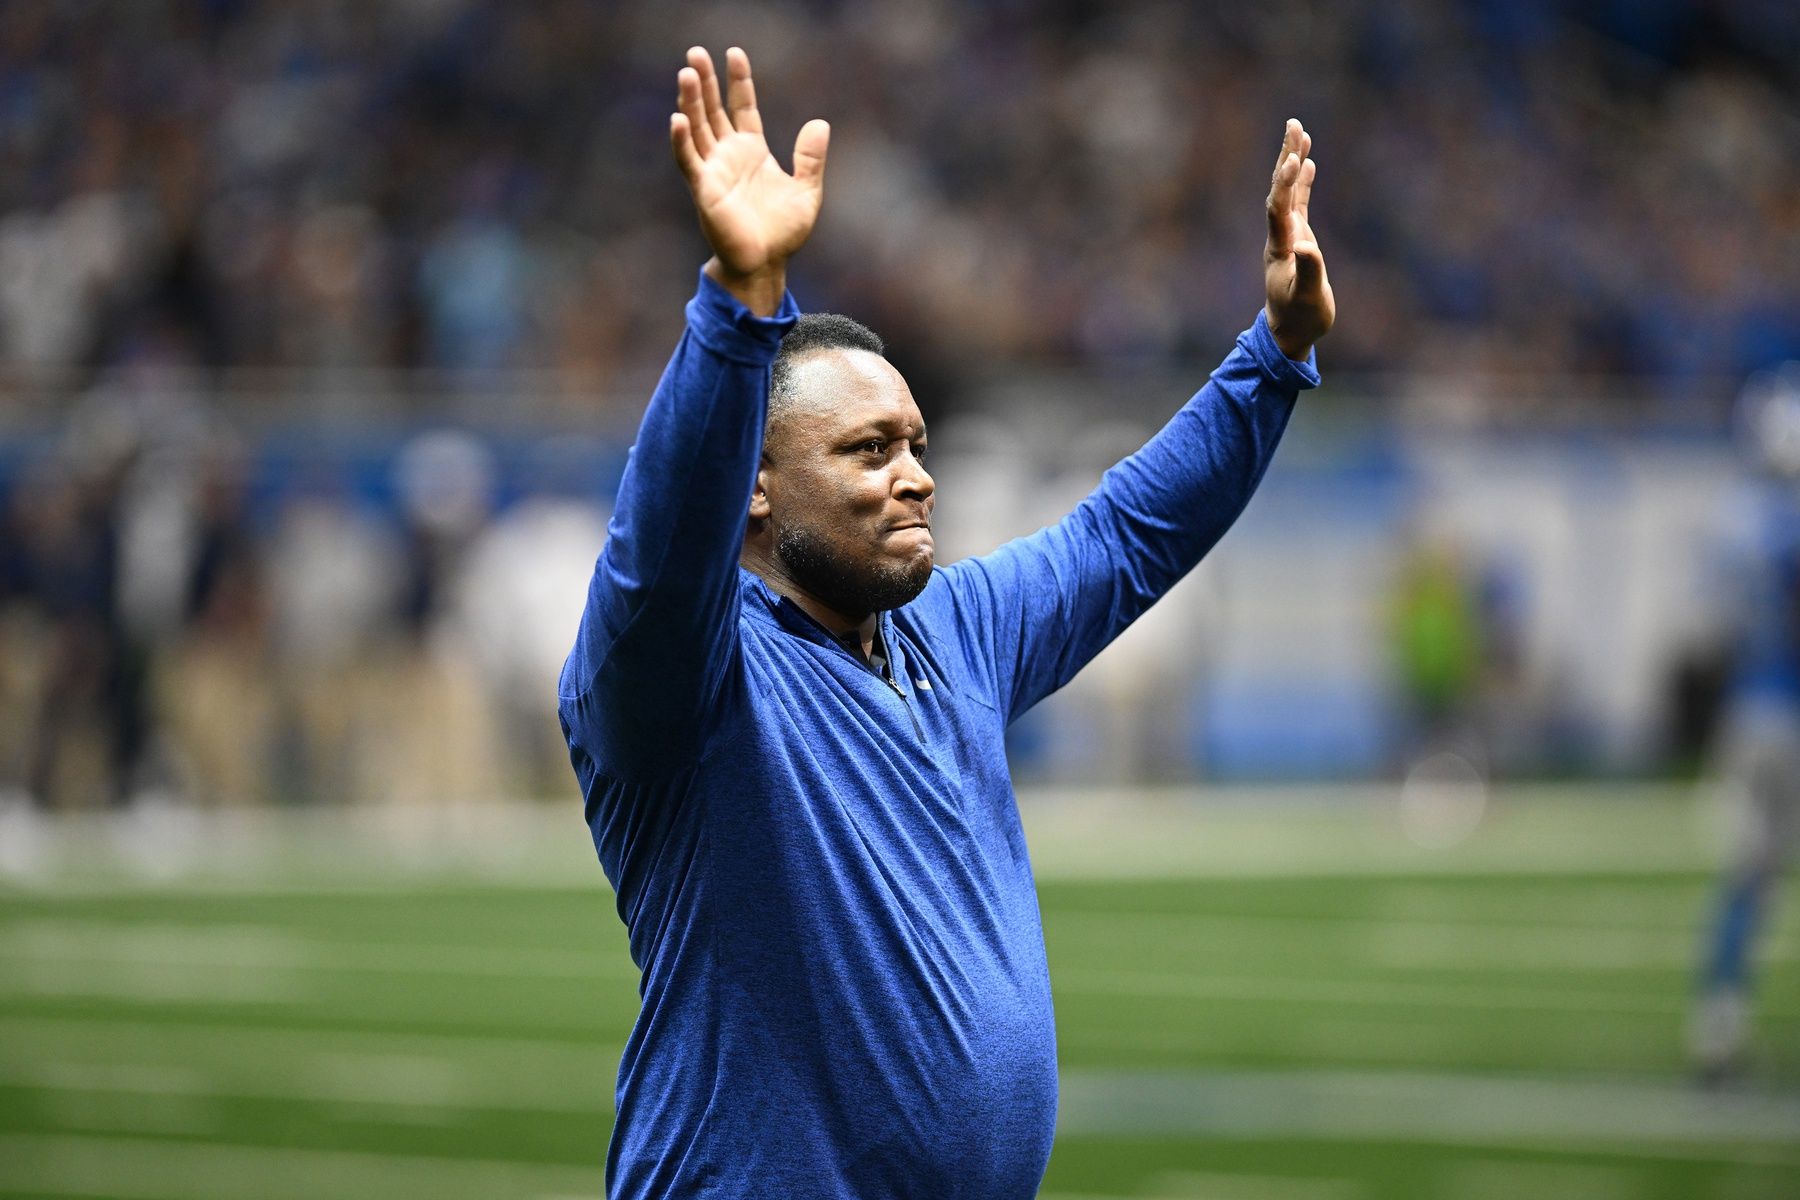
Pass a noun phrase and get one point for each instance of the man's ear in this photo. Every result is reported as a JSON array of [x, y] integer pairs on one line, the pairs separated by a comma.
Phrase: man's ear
[[759, 496]]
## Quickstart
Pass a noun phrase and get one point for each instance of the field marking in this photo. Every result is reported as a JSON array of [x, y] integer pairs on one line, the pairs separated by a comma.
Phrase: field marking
[[445, 1084], [1339, 992], [1630, 904], [1656, 1121], [327, 1066], [123, 1113], [148, 952], [1150, 864], [20, 1031], [1624, 1120], [1477, 1178], [1311, 831], [1354, 831], [1487, 950], [271, 948], [149, 1169], [178, 965], [1629, 1119], [1422, 942], [1219, 1185], [184, 984], [150, 982], [157, 960], [1197, 1185], [1596, 1046]]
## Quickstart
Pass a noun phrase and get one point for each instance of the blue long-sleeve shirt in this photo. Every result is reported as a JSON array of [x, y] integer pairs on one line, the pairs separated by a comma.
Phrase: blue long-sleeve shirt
[[844, 989]]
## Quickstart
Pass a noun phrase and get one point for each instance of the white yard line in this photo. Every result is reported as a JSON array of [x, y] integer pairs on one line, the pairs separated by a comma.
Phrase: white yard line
[[1222, 1185], [444, 1070], [264, 948], [1204, 831], [1340, 992], [178, 982], [361, 1067], [257, 966], [23, 1032], [1326, 831], [1211, 1185], [1617, 904], [1634, 1121], [142, 948], [146, 1169], [1401, 941], [380, 1082], [1373, 1039], [1626, 1118]]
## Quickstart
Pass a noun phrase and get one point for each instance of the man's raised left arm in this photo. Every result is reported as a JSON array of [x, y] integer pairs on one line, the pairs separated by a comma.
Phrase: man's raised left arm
[[1042, 606]]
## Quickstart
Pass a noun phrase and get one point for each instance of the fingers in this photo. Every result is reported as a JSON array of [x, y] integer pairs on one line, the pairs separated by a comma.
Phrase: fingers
[[1291, 134], [681, 142], [1300, 304], [697, 96], [688, 100], [809, 153], [1281, 205], [702, 63], [1290, 188], [740, 93]]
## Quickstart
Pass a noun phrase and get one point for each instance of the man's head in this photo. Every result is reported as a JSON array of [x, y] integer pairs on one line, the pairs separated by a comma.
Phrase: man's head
[[842, 506]]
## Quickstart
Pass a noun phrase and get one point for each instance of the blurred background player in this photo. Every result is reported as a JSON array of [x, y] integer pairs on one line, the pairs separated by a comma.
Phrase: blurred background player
[[1759, 746]]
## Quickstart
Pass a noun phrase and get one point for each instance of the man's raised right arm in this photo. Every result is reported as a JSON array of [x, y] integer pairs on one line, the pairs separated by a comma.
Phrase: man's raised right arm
[[660, 624]]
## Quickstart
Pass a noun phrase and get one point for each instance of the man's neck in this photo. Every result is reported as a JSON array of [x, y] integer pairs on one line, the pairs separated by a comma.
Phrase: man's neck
[[841, 625]]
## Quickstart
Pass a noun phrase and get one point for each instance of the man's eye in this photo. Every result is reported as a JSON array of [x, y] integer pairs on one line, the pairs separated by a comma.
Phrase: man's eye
[[873, 446]]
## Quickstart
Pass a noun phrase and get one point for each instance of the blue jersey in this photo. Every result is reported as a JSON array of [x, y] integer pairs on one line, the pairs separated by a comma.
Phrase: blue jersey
[[1764, 548], [844, 990]]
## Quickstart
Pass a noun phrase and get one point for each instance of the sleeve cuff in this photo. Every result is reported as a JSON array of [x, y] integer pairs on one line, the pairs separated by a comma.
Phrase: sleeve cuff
[[1290, 373], [730, 330]]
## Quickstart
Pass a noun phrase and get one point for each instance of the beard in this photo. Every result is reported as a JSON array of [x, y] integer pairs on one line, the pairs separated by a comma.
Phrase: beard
[[843, 584]]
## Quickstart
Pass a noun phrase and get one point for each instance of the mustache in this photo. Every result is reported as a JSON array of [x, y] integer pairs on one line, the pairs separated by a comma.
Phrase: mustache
[[920, 518]]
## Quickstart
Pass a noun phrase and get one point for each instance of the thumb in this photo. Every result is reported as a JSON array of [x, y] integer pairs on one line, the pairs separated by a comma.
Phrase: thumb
[[809, 153]]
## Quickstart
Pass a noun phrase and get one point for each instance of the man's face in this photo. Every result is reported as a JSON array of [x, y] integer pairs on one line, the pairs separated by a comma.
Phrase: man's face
[[849, 500]]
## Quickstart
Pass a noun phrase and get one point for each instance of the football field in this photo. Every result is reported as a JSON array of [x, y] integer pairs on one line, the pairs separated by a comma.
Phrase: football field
[[1260, 996]]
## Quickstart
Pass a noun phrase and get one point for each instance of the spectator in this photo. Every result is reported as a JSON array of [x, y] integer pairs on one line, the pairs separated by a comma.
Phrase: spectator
[[1559, 188]]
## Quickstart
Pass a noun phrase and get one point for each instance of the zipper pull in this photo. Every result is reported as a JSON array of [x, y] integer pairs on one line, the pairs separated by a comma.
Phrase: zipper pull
[[918, 729]]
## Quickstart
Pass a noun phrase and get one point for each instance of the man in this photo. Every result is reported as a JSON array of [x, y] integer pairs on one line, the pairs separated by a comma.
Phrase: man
[[1759, 744], [788, 723]]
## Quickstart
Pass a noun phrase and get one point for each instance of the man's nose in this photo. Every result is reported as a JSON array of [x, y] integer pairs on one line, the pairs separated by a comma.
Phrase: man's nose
[[914, 479]]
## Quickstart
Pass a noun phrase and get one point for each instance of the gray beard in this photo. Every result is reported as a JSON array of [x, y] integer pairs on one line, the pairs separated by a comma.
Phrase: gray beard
[[841, 585]]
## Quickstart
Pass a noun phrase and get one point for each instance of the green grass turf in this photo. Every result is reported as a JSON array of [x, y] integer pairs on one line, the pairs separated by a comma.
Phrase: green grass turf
[[1435, 1032]]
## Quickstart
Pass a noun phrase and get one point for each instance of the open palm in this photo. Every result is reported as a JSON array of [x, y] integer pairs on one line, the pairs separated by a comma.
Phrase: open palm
[[1301, 306], [753, 213]]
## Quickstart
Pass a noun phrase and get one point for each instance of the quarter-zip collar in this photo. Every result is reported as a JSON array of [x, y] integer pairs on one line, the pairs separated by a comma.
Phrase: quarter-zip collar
[[796, 620]]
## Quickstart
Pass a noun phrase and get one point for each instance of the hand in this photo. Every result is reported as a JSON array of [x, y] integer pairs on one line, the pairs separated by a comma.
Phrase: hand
[[754, 213], [1300, 305]]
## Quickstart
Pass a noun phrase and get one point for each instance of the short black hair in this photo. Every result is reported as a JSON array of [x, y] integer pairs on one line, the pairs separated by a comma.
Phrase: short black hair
[[811, 333]]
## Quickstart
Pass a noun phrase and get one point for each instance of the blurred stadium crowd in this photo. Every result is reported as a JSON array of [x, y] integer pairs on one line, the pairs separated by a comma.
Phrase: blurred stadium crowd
[[255, 256], [166, 632], [1549, 186]]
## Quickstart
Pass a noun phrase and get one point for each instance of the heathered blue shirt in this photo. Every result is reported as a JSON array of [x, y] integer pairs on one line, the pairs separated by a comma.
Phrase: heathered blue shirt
[[822, 869], [1763, 548]]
